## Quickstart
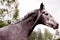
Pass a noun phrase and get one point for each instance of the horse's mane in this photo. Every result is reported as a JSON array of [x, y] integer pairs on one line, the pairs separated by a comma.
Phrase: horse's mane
[[30, 13]]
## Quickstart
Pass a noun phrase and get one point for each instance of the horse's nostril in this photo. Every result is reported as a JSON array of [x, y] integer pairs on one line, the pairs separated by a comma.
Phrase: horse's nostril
[[52, 25], [56, 27], [57, 24]]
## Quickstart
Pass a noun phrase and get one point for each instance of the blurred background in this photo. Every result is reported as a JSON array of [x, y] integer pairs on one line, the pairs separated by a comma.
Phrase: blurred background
[[12, 11]]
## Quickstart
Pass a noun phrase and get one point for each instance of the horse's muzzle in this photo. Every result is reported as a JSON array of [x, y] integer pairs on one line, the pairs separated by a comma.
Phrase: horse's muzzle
[[56, 27]]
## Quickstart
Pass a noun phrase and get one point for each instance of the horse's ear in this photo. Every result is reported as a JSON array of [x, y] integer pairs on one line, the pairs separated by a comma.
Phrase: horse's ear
[[41, 6]]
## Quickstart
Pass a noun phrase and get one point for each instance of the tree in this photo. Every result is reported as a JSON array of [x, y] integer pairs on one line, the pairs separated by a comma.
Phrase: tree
[[39, 35], [15, 16], [2, 23], [32, 36], [36, 35], [8, 11], [47, 35]]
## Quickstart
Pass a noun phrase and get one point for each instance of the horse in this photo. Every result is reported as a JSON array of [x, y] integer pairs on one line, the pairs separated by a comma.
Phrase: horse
[[21, 30]]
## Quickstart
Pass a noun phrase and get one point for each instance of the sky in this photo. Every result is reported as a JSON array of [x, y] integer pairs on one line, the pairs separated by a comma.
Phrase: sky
[[52, 7]]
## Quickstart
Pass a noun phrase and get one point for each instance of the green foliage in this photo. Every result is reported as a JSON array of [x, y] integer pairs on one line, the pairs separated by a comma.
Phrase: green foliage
[[47, 35], [40, 36], [2, 12], [32, 36], [9, 2], [9, 21], [36, 36], [9, 11], [2, 24], [15, 15]]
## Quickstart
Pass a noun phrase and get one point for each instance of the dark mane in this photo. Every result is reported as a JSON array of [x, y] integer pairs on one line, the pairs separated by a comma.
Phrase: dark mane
[[30, 13]]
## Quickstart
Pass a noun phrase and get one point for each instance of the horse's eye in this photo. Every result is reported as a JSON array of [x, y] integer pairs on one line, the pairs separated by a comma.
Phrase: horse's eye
[[46, 14], [43, 12]]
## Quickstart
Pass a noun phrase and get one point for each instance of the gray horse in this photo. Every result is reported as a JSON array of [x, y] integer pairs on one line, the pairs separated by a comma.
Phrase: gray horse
[[22, 29]]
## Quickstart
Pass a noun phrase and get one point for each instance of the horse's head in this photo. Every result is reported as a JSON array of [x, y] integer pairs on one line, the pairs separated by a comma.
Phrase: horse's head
[[46, 18]]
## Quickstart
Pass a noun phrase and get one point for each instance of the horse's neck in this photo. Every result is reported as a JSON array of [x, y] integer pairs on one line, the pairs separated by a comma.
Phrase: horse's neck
[[27, 24]]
